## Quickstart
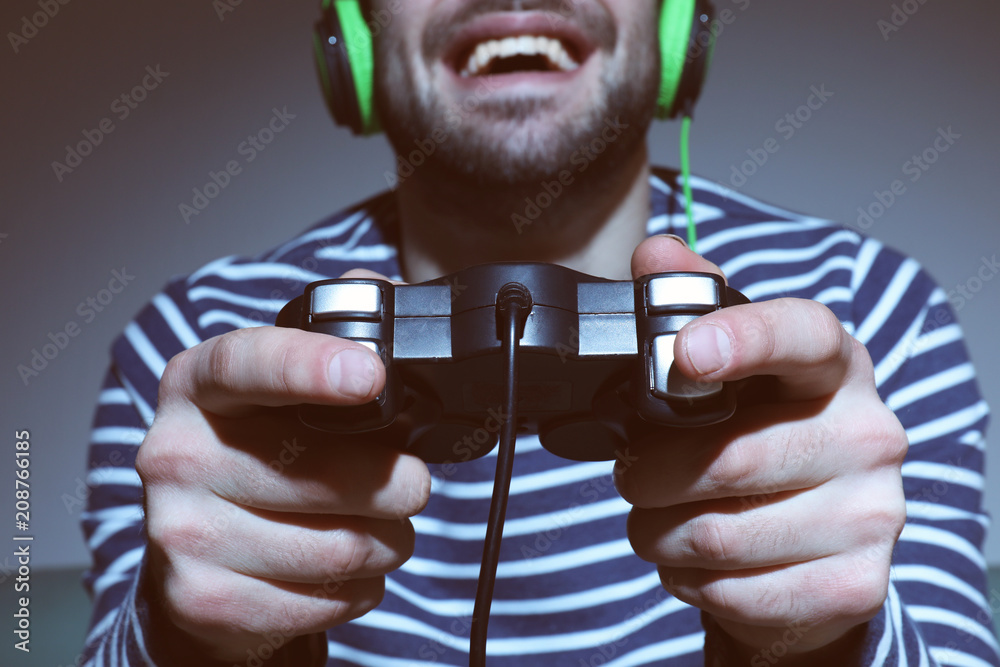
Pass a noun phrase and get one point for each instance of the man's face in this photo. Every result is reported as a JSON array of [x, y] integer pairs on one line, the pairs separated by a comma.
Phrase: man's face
[[515, 87]]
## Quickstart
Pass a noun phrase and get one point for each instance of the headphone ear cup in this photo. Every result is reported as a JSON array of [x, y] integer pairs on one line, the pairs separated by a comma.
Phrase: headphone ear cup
[[345, 65], [686, 45]]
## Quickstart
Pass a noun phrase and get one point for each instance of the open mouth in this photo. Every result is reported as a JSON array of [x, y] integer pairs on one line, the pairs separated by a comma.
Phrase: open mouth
[[522, 53]]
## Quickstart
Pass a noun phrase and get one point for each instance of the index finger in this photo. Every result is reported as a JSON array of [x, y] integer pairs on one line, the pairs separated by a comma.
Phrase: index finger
[[234, 373], [667, 252]]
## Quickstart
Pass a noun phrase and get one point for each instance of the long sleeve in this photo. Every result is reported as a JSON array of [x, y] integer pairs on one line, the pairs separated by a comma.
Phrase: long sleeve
[[113, 528], [938, 608], [937, 611]]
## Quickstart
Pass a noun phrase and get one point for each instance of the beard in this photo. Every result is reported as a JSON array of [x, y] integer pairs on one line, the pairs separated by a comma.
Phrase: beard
[[515, 142]]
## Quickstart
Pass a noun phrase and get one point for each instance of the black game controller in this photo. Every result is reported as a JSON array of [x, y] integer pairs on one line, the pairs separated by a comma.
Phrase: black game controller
[[595, 357]]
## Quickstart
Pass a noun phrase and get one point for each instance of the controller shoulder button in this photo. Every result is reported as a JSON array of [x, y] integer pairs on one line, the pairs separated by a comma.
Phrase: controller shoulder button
[[665, 294], [347, 301]]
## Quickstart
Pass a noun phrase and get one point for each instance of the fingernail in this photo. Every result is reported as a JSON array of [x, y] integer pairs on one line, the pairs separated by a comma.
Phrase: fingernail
[[352, 373], [675, 238], [708, 348]]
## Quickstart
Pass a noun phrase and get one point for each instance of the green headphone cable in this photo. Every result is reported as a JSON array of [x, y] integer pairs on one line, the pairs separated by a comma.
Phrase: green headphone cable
[[692, 235]]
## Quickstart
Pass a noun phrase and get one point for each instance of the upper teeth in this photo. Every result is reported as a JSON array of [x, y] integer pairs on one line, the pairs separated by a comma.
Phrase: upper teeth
[[524, 45]]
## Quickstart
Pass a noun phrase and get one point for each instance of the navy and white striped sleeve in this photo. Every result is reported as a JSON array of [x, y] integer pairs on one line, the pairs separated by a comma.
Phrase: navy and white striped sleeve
[[937, 611], [113, 519], [228, 294], [113, 528]]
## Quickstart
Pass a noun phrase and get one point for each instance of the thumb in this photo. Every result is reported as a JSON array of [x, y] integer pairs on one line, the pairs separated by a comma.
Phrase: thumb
[[658, 254], [366, 274]]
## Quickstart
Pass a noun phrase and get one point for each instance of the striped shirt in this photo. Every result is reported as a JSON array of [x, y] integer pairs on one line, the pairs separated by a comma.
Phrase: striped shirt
[[570, 590]]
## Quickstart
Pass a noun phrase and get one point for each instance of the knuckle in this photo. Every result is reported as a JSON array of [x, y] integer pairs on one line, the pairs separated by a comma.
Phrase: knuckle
[[830, 332], [165, 459], [198, 601], [340, 600], [862, 591], [881, 438], [719, 595], [301, 554], [351, 553], [776, 602], [710, 541], [226, 356], [628, 486], [298, 370], [772, 538], [147, 461], [759, 335], [366, 597], [417, 485], [861, 355], [404, 543], [733, 464], [830, 342], [175, 380], [643, 535], [886, 515], [173, 535], [891, 443]]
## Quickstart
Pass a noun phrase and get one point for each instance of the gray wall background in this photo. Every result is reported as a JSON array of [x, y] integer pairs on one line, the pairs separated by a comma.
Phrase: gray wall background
[[60, 241]]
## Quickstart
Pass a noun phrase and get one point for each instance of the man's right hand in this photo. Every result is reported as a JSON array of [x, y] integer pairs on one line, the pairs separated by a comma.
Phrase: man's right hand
[[257, 524]]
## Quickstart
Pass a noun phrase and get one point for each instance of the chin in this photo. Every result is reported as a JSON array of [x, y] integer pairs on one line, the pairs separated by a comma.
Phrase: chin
[[521, 138], [525, 154]]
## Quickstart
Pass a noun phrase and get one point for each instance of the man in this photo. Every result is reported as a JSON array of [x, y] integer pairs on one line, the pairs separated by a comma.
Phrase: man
[[768, 537]]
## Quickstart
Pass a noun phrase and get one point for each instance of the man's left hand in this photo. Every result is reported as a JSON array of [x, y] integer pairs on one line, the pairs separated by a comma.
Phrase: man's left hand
[[784, 516]]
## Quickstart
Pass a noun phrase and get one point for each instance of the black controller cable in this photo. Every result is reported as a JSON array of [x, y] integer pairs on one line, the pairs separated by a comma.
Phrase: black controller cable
[[513, 305]]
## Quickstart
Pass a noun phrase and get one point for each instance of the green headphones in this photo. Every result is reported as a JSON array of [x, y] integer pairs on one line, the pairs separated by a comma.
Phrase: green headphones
[[345, 59]]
